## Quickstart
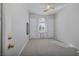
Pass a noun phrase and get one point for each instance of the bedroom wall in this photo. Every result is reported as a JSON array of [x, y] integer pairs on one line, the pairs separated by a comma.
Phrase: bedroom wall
[[0, 28], [15, 16], [67, 25]]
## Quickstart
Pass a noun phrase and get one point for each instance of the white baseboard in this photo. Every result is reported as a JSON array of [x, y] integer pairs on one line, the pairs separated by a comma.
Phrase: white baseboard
[[23, 47]]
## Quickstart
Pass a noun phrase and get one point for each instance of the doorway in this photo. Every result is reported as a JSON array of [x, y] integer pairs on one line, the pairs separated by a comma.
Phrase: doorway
[[41, 26]]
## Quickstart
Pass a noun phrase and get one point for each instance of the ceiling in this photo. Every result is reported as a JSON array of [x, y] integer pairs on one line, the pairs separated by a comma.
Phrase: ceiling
[[38, 8]]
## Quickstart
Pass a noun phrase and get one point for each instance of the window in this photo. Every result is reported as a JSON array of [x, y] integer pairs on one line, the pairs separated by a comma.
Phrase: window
[[42, 25]]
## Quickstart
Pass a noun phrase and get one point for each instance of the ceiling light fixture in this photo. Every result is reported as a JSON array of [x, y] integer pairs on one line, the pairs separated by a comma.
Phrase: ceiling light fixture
[[48, 7]]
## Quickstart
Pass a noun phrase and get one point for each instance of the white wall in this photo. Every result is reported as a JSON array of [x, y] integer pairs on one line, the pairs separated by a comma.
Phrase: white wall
[[50, 26], [34, 30], [16, 16], [67, 25], [0, 28], [34, 26]]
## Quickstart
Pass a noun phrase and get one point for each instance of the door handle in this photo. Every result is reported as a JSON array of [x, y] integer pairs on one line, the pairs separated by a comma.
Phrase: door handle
[[27, 28]]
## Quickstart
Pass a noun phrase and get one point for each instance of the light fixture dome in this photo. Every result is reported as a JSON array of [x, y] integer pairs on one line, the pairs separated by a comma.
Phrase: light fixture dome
[[48, 7]]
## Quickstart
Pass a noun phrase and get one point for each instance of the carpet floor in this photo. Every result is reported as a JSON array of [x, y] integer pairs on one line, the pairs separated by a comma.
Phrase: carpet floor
[[47, 47]]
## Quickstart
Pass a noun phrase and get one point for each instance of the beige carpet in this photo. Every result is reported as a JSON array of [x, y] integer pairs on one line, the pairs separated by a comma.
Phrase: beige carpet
[[47, 47]]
